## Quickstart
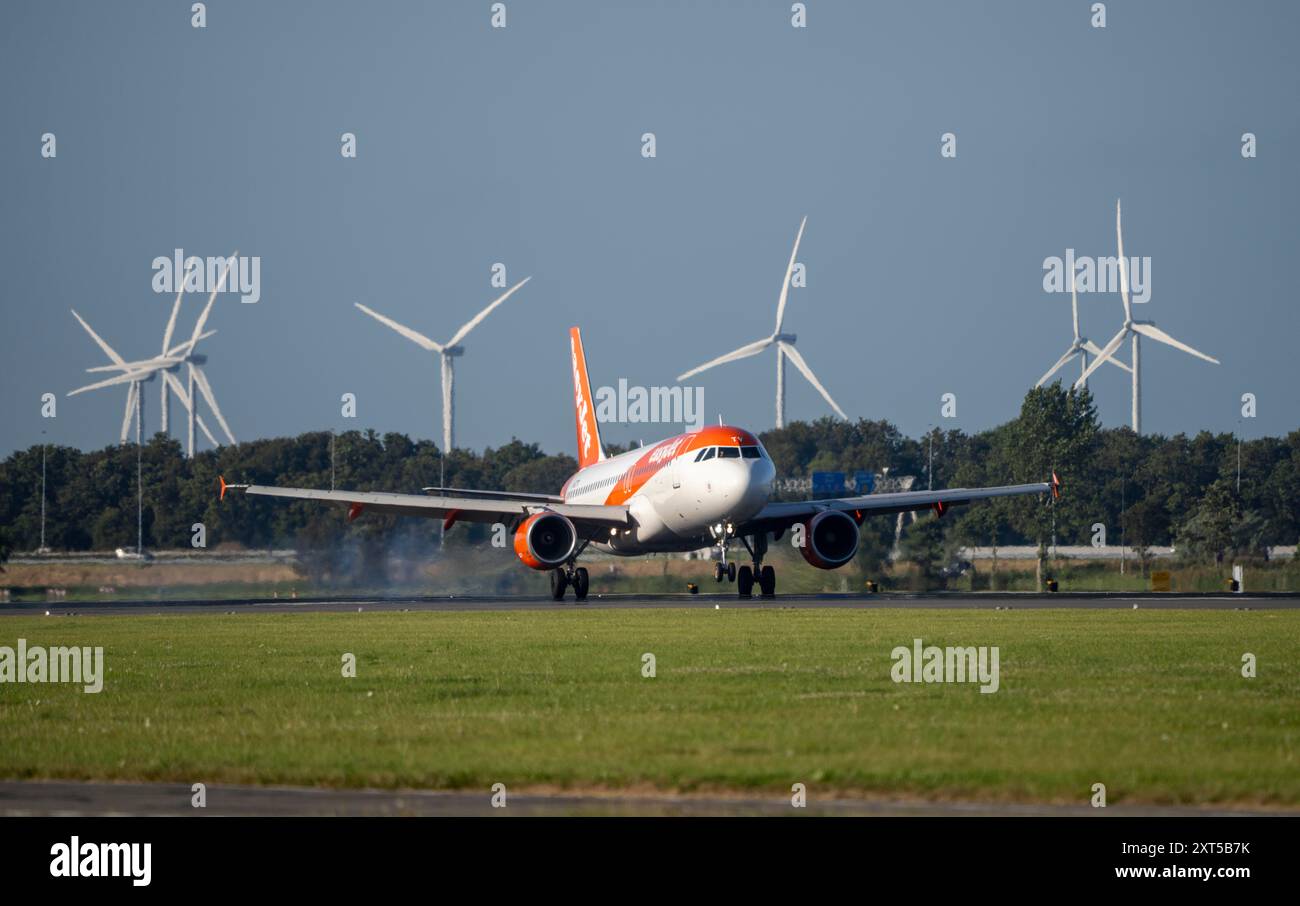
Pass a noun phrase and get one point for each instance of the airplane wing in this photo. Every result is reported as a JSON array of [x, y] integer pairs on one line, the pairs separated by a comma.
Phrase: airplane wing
[[493, 495], [591, 520], [776, 517]]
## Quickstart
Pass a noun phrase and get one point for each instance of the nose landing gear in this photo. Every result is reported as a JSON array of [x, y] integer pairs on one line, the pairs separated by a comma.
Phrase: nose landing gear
[[722, 569]]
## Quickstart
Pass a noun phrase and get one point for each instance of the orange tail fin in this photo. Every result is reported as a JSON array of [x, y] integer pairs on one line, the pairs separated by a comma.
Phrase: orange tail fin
[[584, 407]]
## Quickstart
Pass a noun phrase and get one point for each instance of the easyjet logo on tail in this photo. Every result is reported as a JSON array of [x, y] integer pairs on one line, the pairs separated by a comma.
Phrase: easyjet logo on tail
[[585, 416]]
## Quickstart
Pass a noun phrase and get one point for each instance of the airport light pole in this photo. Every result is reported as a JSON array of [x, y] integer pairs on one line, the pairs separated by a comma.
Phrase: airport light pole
[[44, 447], [139, 476], [1238, 458], [1121, 526], [929, 469], [1052, 499]]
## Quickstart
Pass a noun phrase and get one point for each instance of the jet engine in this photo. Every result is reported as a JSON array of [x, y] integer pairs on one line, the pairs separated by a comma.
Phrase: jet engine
[[545, 540], [830, 539]]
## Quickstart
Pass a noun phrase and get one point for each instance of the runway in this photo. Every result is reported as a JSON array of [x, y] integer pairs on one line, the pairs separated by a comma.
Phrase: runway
[[92, 799], [490, 603]]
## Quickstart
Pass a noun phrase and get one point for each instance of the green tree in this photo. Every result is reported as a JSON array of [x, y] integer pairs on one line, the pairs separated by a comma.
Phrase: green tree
[[1145, 523], [1056, 432], [1208, 533]]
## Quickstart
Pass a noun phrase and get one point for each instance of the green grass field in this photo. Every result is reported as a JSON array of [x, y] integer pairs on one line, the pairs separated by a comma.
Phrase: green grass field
[[1150, 703]]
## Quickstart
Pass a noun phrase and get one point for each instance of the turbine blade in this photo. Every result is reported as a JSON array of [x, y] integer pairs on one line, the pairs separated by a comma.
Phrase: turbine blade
[[177, 388], [404, 331], [220, 284], [1094, 349], [1102, 355], [1123, 265], [185, 348], [130, 411], [1074, 307], [128, 377], [1155, 333], [108, 350], [140, 365], [1069, 354], [171, 322], [789, 269], [474, 322], [794, 356], [203, 426], [743, 352], [205, 389]]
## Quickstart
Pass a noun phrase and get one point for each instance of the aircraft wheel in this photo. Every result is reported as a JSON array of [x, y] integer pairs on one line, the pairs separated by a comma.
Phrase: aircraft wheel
[[559, 582], [717, 572], [767, 582], [580, 583], [731, 572], [745, 582]]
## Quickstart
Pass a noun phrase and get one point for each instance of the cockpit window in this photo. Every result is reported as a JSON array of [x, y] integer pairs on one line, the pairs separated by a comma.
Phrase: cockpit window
[[750, 452], [708, 454], [729, 452]]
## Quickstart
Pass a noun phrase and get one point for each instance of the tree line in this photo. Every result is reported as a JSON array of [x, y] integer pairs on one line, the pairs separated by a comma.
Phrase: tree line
[[1151, 490]]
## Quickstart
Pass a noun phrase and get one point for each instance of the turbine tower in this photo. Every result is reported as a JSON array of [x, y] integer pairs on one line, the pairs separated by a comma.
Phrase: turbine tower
[[1081, 347], [447, 354], [166, 364], [784, 343], [1137, 330]]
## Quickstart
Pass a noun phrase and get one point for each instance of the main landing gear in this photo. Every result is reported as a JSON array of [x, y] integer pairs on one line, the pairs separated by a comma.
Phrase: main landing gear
[[764, 575], [564, 577]]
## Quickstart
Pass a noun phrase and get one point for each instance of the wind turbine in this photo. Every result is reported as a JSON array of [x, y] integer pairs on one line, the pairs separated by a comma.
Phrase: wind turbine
[[166, 364], [134, 376], [784, 343], [1081, 347], [1136, 330], [447, 354]]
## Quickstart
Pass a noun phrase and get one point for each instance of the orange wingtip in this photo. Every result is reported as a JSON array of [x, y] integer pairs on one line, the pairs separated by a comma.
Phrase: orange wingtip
[[1056, 486], [222, 479]]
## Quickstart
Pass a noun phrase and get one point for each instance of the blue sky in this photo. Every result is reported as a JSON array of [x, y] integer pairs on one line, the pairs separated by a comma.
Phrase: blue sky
[[523, 146]]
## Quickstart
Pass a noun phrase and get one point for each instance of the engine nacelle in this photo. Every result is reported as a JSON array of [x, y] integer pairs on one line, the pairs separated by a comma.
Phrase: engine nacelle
[[830, 539], [545, 540]]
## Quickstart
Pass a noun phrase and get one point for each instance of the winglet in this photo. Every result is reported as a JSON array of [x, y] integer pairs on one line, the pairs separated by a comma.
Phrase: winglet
[[226, 487], [1056, 487]]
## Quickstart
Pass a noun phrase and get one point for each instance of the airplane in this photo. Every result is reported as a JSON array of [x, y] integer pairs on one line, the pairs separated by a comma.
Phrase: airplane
[[703, 488]]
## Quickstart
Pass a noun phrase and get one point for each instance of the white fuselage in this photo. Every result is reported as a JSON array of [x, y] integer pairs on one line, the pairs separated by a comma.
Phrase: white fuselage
[[681, 492]]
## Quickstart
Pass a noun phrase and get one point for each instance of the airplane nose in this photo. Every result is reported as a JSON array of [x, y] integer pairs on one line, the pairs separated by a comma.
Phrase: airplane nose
[[732, 480], [743, 485]]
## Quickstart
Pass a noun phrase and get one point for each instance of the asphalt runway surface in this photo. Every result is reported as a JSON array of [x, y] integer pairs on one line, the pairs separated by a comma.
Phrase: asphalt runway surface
[[58, 798], [490, 603]]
